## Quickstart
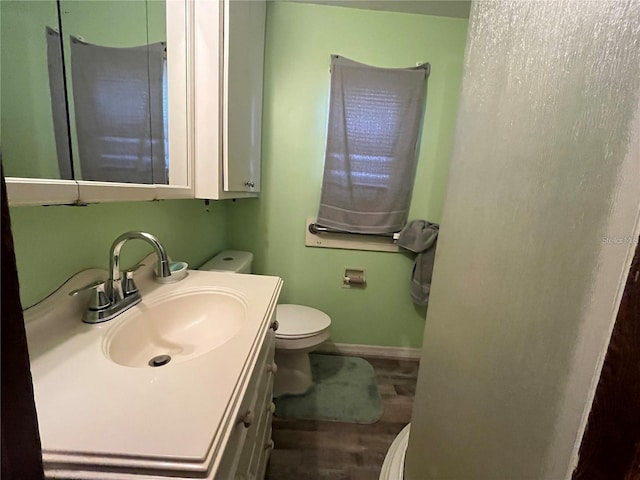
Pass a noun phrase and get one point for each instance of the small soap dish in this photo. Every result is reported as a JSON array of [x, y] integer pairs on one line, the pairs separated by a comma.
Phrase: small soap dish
[[178, 272]]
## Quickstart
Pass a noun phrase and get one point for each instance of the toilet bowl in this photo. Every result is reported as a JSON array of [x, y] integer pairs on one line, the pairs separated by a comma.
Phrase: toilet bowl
[[393, 466], [300, 330]]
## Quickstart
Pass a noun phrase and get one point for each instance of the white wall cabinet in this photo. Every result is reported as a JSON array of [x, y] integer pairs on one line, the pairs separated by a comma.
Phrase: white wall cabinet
[[52, 191], [216, 50], [228, 59]]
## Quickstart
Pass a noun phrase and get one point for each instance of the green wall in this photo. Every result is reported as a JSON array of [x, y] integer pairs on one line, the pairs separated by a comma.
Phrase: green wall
[[300, 39], [53, 243]]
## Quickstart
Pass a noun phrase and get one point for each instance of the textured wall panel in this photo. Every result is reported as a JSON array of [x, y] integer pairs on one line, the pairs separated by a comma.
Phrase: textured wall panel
[[540, 214]]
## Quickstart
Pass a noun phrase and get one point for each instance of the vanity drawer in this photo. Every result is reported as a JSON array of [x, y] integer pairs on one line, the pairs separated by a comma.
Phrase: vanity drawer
[[263, 445], [265, 454], [250, 414], [253, 441]]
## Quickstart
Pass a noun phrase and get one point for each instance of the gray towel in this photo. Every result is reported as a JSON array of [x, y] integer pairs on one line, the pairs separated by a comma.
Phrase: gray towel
[[421, 277], [420, 236]]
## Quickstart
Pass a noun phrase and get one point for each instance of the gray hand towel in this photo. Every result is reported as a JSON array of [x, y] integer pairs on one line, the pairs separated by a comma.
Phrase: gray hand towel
[[421, 277], [420, 236]]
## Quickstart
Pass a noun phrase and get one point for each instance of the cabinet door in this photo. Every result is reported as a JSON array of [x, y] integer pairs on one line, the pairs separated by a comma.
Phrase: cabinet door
[[244, 30], [228, 57]]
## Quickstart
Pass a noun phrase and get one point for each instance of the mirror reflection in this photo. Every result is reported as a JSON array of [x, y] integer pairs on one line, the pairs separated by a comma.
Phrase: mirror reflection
[[28, 139], [99, 72]]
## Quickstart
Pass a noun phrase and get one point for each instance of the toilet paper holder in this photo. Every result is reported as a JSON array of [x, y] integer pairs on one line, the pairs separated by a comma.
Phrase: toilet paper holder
[[354, 277]]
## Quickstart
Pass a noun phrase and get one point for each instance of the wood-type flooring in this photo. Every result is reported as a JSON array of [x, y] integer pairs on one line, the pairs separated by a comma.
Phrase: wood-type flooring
[[317, 450]]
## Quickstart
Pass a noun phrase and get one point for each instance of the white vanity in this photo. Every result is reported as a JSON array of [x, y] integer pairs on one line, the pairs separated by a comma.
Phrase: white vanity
[[105, 413]]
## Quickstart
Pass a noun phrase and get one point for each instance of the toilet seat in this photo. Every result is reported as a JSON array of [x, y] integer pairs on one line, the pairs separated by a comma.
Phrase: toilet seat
[[298, 321]]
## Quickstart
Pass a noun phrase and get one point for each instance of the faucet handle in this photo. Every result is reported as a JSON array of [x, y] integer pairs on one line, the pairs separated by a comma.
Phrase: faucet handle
[[99, 299], [128, 285]]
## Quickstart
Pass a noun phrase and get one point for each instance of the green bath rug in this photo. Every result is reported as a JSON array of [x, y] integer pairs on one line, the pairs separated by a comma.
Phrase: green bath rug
[[344, 390]]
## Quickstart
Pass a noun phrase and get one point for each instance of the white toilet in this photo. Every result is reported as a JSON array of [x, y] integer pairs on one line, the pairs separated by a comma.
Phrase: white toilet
[[300, 330]]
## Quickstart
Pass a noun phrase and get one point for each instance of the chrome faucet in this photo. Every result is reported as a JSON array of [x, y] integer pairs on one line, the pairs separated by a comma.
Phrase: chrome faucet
[[118, 294], [115, 285]]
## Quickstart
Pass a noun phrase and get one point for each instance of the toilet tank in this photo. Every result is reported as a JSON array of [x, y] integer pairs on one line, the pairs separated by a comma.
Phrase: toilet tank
[[234, 261]]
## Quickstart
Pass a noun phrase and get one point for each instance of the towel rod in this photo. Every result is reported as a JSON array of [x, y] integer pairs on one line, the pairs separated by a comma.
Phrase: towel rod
[[316, 229]]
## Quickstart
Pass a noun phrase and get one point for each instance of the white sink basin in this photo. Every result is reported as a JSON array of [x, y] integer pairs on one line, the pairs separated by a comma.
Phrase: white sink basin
[[181, 327]]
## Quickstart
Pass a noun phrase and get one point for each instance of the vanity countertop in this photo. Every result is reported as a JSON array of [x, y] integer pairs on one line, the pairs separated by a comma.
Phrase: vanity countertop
[[97, 416]]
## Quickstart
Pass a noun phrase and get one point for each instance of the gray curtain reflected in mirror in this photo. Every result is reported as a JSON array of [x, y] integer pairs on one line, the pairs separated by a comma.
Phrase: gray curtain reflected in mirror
[[59, 103], [118, 102], [84, 110]]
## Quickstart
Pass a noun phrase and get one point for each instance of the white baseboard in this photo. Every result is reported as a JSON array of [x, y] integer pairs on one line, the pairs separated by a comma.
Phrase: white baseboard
[[406, 353]]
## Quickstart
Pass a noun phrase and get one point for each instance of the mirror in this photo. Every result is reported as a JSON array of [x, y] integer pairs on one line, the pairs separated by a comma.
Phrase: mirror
[[85, 92], [115, 64], [27, 133]]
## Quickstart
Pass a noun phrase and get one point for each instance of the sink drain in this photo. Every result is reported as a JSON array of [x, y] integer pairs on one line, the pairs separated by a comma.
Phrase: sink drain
[[159, 360]]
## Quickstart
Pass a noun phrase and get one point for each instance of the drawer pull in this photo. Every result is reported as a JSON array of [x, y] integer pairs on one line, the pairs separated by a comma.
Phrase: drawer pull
[[275, 325], [248, 419], [269, 445], [272, 368], [271, 408]]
